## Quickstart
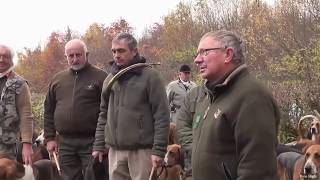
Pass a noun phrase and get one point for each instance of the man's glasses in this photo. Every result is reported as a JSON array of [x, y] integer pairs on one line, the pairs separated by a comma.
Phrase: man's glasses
[[5, 56], [205, 52]]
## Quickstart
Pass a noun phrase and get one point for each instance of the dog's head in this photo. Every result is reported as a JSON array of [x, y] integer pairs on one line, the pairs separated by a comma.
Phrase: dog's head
[[311, 166], [11, 169], [174, 155], [40, 139], [314, 129]]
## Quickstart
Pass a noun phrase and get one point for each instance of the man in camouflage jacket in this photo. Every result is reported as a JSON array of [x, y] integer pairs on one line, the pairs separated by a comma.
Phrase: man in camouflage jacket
[[15, 109]]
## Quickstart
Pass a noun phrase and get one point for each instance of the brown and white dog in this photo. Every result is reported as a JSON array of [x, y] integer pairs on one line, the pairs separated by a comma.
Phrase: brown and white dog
[[308, 167], [173, 166], [309, 137], [41, 170]]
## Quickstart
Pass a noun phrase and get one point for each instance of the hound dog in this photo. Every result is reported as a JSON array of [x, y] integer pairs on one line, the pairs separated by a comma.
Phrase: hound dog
[[286, 163], [313, 133], [173, 134], [173, 164], [308, 167], [40, 170], [40, 139]]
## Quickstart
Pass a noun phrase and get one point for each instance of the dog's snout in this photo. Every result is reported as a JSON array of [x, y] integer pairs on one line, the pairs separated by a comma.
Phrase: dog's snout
[[313, 130], [307, 169], [38, 141]]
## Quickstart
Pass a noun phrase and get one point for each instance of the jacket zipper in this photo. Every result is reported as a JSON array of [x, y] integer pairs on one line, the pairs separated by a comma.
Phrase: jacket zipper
[[199, 134], [73, 94]]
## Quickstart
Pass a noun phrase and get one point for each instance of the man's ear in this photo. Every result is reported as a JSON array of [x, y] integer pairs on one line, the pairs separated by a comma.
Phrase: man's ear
[[229, 55], [135, 51]]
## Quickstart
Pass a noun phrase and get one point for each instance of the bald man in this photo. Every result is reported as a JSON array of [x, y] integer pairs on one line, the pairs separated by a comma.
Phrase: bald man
[[15, 108], [71, 108]]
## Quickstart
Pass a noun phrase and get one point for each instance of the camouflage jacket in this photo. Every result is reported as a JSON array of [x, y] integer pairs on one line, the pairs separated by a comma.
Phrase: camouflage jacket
[[9, 119]]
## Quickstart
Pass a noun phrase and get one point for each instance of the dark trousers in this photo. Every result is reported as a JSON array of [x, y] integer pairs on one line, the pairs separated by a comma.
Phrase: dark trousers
[[74, 156]]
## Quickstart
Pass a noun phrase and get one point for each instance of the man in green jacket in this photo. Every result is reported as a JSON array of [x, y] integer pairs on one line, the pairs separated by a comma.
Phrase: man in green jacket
[[134, 121], [231, 120], [71, 109]]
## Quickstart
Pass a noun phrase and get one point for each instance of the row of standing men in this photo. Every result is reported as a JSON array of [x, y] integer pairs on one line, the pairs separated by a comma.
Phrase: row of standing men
[[228, 124]]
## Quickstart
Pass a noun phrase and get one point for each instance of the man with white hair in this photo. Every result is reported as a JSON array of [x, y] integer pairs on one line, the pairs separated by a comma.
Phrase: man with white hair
[[71, 108], [230, 121], [15, 109]]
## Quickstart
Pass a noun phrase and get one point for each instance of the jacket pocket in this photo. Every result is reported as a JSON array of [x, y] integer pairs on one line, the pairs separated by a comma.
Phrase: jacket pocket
[[129, 127]]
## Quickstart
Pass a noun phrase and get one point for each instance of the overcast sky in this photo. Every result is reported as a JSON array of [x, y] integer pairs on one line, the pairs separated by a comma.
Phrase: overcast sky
[[26, 23]]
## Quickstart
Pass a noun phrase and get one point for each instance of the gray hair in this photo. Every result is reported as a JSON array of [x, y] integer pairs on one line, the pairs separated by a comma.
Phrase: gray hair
[[231, 40], [85, 49], [132, 42], [12, 52]]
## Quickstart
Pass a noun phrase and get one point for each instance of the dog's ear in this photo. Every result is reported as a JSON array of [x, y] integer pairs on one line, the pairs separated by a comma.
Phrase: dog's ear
[[3, 173], [20, 170], [308, 144]]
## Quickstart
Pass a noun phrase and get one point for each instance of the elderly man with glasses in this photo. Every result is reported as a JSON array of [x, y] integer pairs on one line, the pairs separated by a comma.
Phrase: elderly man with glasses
[[16, 120], [231, 120]]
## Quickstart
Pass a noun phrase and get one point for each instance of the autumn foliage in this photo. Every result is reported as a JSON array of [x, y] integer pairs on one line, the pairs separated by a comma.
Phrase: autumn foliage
[[282, 47]]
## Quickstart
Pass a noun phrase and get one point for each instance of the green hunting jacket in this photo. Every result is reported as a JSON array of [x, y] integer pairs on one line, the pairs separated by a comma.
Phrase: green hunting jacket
[[235, 123], [135, 115], [72, 102]]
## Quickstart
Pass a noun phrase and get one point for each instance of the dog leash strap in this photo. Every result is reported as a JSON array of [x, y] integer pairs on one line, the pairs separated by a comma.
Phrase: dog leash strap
[[57, 163]]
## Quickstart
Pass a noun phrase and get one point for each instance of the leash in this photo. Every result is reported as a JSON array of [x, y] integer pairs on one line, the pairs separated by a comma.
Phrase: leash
[[57, 163], [155, 176], [152, 173]]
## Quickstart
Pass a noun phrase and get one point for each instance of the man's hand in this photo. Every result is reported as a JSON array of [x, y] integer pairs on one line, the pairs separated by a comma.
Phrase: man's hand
[[27, 153], [99, 154], [52, 146], [157, 161]]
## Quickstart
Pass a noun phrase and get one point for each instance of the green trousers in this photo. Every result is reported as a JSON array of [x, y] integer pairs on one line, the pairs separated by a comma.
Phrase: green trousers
[[74, 156]]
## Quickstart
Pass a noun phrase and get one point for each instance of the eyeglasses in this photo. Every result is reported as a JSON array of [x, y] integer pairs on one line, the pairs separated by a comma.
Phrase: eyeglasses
[[205, 52], [5, 56]]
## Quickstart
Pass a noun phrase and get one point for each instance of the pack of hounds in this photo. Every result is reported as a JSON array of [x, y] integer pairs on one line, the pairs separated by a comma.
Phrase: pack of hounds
[[46, 168], [300, 160]]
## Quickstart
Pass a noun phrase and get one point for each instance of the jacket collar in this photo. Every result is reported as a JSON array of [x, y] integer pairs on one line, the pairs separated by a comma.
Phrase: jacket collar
[[85, 68], [213, 88], [137, 59]]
